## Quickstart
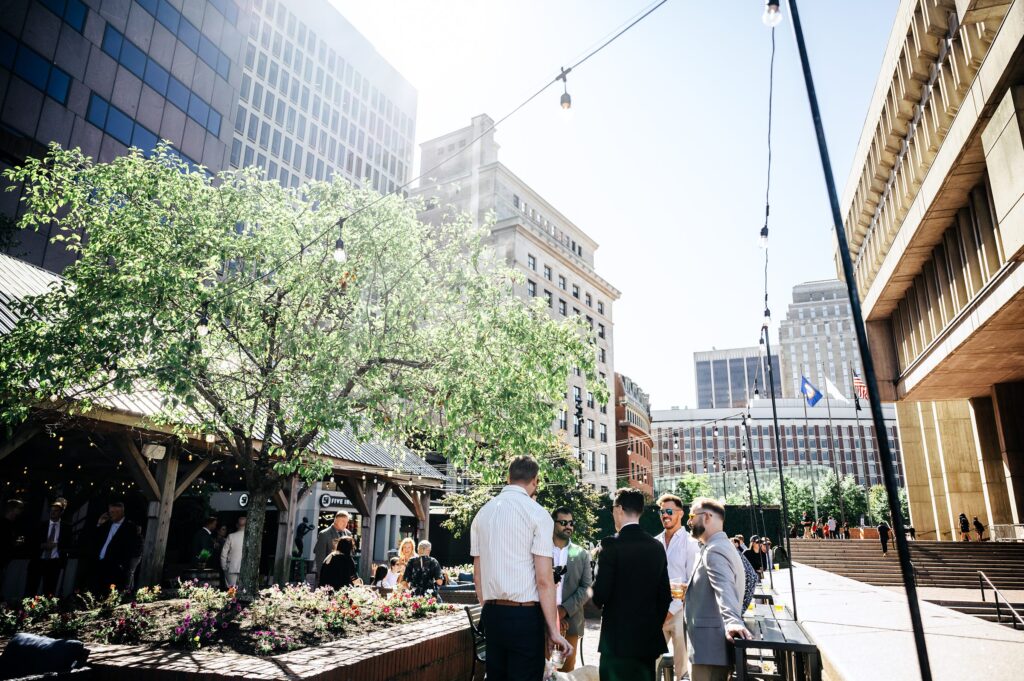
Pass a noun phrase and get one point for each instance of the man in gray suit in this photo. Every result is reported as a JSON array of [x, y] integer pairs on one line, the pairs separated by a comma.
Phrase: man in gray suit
[[325, 540], [713, 612], [572, 582]]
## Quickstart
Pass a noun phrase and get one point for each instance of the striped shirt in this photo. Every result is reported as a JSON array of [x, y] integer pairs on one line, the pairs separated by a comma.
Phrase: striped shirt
[[506, 534]]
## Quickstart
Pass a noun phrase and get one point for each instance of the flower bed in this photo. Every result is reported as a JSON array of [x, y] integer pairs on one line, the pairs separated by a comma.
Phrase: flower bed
[[204, 618]]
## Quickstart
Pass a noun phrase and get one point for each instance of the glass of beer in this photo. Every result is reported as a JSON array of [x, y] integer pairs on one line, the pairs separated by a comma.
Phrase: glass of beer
[[678, 588]]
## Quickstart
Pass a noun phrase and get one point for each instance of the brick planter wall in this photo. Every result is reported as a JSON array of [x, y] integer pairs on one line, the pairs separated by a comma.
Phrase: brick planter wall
[[434, 649]]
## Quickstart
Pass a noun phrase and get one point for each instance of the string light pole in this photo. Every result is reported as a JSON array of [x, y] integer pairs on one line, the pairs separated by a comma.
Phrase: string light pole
[[867, 361]]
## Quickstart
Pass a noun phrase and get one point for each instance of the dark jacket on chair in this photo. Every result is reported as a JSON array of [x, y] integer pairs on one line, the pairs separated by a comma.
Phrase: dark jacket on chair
[[632, 588]]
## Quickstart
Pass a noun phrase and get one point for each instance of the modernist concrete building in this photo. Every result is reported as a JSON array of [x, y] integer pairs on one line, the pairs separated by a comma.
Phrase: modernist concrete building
[[935, 220], [317, 100], [710, 441], [726, 378], [633, 435], [816, 339], [106, 75], [556, 257]]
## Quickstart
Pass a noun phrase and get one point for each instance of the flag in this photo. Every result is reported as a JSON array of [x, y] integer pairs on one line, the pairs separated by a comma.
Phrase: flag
[[834, 392], [860, 388], [811, 394]]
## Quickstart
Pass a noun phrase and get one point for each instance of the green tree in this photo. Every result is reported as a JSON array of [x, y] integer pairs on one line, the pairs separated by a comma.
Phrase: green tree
[[692, 485], [878, 504], [853, 498], [416, 335]]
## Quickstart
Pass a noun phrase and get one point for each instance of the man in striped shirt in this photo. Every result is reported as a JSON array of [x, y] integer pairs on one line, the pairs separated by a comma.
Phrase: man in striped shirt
[[511, 545]]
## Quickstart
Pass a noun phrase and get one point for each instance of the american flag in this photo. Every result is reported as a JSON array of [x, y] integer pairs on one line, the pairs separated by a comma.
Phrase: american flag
[[859, 386]]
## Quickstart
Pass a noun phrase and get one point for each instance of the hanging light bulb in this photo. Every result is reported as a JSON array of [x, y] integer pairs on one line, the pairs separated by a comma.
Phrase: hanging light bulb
[[772, 14], [339, 246], [203, 327], [767, 318], [716, 431], [764, 237], [566, 98]]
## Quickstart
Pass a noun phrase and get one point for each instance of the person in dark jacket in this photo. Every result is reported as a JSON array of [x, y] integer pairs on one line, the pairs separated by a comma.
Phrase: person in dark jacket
[[757, 557], [423, 573], [203, 540], [979, 528], [10, 539], [965, 528], [883, 536], [339, 568], [117, 548], [632, 589], [50, 545]]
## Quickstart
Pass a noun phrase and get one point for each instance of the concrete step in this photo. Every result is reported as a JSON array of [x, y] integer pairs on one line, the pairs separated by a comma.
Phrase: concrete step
[[984, 610]]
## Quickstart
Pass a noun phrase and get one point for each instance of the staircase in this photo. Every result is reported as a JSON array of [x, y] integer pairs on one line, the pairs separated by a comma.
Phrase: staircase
[[984, 610], [937, 564]]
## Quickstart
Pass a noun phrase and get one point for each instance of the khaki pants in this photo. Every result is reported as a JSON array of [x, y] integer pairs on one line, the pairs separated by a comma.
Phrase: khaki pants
[[675, 636], [231, 578], [709, 672], [570, 662]]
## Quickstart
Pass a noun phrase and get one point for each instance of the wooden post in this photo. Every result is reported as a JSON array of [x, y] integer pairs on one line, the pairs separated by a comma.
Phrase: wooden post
[[369, 531], [424, 498], [286, 523], [158, 522]]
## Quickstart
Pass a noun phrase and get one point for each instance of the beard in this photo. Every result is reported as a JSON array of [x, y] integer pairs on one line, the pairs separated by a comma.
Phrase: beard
[[697, 530]]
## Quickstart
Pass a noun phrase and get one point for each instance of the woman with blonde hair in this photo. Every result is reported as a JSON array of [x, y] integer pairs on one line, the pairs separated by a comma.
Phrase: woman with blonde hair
[[406, 552]]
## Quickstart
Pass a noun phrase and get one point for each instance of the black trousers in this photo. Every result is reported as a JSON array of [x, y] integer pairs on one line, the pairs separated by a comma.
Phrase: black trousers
[[47, 570], [615, 668], [515, 642]]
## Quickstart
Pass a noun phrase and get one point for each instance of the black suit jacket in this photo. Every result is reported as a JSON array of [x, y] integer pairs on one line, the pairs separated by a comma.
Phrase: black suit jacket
[[632, 588], [42, 533], [202, 541], [125, 546]]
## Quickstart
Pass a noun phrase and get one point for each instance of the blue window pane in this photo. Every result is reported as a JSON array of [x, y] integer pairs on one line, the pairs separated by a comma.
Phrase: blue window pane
[[199, 110], [189, 35], [120, 126], [149, 6], [232, 13], [133, 59], [213, 125], [97, 114], [143, 139], [8, 48], [177, 94], [168, 16], [223, 66], [59, 84], [208, 52], [75, 14], [112, 40], [32, 67], [55, 6], [156, 77]]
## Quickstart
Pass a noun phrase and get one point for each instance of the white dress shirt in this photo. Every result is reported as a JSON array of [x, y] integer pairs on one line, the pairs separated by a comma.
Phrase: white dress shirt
[[114, 527], [54, 528], [506, 534], [682, 552]]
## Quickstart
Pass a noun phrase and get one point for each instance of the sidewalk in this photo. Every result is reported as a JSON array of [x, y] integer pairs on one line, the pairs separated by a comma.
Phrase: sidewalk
[[864, 633]]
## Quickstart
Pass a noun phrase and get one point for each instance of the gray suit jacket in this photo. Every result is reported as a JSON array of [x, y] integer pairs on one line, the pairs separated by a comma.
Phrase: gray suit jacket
[[713, 600], [324, 542], [575, 585]]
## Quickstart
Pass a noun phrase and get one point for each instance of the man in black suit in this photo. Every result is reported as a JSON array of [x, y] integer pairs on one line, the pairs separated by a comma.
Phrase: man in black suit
[[50, 545], [117, 549], [202, 540], [632, 588]]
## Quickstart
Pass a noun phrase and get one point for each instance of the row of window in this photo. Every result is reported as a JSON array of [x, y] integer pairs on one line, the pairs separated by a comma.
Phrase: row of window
[[592, 466], [73, 12], [190, 36], [34, 68], [549, 227], [121, 127], [531, 263], [531, 290], [177, 93]]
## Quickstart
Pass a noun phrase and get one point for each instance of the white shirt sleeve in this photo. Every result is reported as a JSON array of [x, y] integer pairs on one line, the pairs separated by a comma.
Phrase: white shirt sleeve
[[474, 539], [543, 543]]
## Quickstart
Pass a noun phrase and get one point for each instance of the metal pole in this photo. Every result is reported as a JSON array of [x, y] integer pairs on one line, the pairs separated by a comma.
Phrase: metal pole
[[807, 442], [832, 451], [783, 510], [867, 362]]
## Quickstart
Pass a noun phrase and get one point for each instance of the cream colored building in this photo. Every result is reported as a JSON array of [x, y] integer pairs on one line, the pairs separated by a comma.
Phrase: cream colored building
[[935, 219], [555, 256]]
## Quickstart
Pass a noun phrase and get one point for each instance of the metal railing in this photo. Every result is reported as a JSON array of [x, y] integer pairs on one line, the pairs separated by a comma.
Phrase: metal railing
[[1007, 532], [1014, 615]]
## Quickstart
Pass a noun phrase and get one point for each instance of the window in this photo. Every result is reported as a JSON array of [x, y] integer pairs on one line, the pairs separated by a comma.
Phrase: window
[[575, 291], [547, 272], [561, 282], [531, 262], [604, 467], [604, 408], [71, 11], [604, 433], [563, 419], [589, 300], [602, 356], [590, 428], [600, 307], [576, 311], [531, 288], [590, 464], [590, 399], [548, 297], [561, 307], [600, 330]]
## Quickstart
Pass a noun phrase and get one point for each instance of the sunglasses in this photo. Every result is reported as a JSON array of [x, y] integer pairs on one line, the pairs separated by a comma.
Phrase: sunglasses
[[667, 511], [694, 515], [565, 523]]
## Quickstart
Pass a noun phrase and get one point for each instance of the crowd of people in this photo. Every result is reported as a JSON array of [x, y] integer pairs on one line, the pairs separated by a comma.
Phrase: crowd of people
[[685, 589]]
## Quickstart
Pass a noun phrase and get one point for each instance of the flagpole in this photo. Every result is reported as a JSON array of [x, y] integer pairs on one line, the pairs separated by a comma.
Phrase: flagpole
[[860, 438], [807, 444], [831, 448]]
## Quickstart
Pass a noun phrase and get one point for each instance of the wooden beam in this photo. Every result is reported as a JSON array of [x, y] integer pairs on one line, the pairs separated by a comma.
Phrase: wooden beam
[[190, 477], [368, 540], [158, 522], [139, 469], [354, 490], [405, 496], [384, 493], [21, 435]]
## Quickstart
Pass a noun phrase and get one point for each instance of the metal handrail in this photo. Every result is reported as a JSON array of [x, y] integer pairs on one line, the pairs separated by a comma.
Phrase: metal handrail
[[982, 579]]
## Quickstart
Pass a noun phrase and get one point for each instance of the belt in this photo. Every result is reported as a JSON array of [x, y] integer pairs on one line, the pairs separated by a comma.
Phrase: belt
[[512, 604]]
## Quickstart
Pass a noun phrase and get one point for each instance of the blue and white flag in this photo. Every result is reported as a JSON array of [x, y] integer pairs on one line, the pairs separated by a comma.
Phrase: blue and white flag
[[811, 394]]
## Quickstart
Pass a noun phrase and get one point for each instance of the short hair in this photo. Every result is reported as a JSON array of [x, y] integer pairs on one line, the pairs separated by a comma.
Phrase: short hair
[[709, 504], [115, 504], [342, 514], [561, 510], [424, 544], [630, 500], [523, 469], [13, 504], [665, 498], [740, 537], [393, 561], [211, 519], [345, 546]]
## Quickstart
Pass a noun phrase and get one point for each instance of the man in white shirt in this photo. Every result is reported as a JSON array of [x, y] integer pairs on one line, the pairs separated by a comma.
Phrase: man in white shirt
[[53, 538], [682, 551], [510, 541], [231, 553]]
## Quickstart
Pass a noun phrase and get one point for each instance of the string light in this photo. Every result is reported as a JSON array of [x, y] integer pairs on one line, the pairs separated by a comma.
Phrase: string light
[[340, 256], [566, 97], [203, 327], [772, 14], [764, 236]]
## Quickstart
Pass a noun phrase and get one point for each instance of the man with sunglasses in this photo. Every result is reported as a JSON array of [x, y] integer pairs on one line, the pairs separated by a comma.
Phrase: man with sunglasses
[[714, 617], [572, 582], [681, 550]]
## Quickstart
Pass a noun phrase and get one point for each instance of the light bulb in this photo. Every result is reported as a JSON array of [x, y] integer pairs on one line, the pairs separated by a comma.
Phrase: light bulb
[[566, 101], [204, 325], [767, 318], [764, 237], [339, 251], [772, 14]]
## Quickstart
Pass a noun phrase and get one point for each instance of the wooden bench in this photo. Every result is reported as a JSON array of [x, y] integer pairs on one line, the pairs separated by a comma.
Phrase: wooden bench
[[473, 612], [788, 646]]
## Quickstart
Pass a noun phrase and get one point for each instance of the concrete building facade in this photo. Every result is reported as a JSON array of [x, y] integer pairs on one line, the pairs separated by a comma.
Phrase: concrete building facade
[[816, 339], [633, 444], [711, 441], [728, 378], [555, 256], [935, 221]]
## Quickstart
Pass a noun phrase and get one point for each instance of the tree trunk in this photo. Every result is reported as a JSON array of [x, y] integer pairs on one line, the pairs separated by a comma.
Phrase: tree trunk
[[255, 518]]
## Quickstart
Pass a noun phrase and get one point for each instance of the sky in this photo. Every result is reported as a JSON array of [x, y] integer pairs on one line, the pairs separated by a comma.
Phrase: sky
[[663, 158]]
